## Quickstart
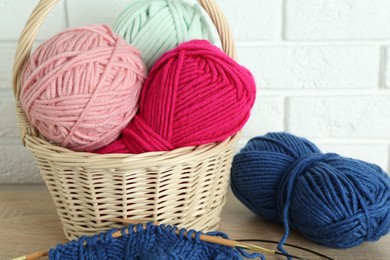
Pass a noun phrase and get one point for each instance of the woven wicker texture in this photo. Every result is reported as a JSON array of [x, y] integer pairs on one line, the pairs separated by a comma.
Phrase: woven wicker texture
[[185, 187]]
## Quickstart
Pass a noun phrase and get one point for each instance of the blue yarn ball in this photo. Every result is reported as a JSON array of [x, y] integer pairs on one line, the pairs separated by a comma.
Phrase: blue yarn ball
[[332, 200]]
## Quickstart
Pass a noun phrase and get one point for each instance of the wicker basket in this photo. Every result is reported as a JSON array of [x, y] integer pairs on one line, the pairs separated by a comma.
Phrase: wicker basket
[[185, 187]]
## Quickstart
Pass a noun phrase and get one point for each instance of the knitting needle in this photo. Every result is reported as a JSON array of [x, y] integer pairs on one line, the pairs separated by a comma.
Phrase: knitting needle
[[206, 238], [218, 240], [33, 256]]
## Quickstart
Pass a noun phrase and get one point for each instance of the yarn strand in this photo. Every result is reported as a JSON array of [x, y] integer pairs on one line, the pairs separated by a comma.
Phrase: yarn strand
[[286, 190]]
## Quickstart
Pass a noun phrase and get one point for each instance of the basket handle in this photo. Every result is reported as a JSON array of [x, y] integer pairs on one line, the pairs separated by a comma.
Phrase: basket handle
[[39, 14]]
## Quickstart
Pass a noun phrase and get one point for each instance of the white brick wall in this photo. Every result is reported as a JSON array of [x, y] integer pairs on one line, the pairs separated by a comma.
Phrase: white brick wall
[[92, 11], [325, 20], [14, 15], [254, 20], [340, 116], [312, 67], [7, 53], [322, 68]]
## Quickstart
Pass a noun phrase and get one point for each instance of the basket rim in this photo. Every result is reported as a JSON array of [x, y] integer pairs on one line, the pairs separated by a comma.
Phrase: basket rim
[[66, 157]]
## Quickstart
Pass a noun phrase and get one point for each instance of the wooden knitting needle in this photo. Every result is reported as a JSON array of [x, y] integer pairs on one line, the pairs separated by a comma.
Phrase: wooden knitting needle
[[219, 240], [206, 238], [33, 256]]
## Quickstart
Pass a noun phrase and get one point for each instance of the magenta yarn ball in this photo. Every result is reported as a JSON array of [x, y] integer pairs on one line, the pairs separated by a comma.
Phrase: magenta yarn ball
[[80, 88]]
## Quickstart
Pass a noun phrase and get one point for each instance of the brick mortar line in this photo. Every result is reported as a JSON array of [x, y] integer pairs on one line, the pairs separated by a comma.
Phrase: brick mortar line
[[323, 92], [276, 42]]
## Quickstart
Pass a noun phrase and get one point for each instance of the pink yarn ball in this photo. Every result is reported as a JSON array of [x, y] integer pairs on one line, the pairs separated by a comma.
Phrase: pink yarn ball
[[81, 87]]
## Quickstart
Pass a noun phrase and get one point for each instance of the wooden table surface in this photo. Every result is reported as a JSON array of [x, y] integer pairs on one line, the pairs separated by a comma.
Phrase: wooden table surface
[[29, 223]]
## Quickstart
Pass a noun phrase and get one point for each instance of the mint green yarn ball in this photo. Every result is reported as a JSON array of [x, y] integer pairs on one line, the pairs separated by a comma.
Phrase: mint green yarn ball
[[157, 26]]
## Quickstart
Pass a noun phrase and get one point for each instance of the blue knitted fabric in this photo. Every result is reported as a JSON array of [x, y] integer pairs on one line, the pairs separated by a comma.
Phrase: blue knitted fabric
[[332, 200], [154, 242]]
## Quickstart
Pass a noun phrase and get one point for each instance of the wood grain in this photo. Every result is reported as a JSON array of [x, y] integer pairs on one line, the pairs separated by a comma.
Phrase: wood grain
[[29, 223]]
